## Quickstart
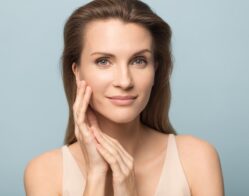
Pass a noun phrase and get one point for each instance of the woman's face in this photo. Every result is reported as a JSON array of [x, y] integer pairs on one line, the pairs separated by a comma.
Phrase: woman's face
[[122, 71]]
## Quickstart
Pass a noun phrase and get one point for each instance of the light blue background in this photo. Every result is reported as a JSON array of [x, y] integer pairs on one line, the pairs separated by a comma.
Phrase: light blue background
[[210, 81]]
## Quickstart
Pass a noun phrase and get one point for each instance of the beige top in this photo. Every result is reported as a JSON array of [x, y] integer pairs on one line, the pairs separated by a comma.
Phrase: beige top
[[172, 182]]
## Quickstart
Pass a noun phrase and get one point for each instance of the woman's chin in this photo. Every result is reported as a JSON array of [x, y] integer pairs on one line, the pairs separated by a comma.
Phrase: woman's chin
[[121, 120], [121, 117]]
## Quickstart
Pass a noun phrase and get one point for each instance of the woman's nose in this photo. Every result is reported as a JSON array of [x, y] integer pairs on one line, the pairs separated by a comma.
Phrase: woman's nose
[[123, 77]]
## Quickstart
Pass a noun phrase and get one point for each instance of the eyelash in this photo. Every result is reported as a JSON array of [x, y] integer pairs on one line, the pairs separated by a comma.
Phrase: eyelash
[[105, 58]]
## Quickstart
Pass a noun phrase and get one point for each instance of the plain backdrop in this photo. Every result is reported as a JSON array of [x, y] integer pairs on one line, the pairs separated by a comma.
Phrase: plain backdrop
[[210, 81]]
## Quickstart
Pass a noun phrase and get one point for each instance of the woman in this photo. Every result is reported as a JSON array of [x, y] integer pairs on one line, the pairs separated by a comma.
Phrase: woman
[[116, 67]]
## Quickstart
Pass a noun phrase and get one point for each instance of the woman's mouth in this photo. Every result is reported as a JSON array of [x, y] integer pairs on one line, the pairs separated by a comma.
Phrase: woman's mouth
[[122, 101]]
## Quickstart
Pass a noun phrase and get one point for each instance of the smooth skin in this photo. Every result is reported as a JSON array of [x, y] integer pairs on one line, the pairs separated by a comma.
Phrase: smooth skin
[[91, 137], [84, 121], [95, 166], [124, 143]]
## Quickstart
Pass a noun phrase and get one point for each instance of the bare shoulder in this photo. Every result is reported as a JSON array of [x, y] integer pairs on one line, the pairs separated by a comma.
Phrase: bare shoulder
[[42, 174], [202, 166]]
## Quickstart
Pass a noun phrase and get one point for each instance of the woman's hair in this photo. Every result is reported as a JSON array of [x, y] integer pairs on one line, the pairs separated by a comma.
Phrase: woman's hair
[[156, 113]]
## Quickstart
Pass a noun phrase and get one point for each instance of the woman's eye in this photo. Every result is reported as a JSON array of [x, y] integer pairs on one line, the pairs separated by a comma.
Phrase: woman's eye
[[139, 60], [104, 61], [101, 61]]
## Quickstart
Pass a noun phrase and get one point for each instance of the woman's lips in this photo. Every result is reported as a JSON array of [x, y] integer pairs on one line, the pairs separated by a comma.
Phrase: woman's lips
[[123, 97], [122, 101]]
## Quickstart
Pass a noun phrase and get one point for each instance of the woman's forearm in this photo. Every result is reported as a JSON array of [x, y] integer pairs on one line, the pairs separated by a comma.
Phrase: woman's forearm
[[95, 186]]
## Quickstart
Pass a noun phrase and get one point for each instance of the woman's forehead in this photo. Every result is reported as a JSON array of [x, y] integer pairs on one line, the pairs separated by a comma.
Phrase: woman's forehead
[[113, 35]]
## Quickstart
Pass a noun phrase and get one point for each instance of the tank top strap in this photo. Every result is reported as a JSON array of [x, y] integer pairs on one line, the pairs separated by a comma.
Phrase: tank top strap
[[174, 181], [73, 181]]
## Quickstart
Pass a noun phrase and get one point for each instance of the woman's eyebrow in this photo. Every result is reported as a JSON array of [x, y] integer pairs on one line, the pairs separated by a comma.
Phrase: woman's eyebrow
[[112, 55]]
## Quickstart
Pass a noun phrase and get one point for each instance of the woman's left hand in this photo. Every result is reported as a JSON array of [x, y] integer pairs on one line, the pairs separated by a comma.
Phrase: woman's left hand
[[120, 161]]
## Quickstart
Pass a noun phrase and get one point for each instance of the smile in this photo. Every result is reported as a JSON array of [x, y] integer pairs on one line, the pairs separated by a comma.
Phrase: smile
[[122, 102]]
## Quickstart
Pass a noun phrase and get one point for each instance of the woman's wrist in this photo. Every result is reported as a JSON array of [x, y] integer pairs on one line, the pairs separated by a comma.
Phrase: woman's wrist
[[95, 180], [93, 176], [96, 174]]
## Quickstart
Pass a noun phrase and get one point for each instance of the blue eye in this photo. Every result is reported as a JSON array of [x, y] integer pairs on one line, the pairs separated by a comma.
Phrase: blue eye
[[101, 61], [104, 61], [140, 60]]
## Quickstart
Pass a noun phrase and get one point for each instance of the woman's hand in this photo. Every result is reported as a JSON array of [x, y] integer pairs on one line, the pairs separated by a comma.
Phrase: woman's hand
[[120, 161], [83, 116]]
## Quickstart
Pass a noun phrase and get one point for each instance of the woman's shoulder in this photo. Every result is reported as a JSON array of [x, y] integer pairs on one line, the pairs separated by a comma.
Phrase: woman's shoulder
[[45, 161], [201, 163], [190, 143], [43, 173], [193, 148]]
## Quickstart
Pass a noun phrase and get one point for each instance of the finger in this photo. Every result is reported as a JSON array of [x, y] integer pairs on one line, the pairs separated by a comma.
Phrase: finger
[[82, 89], [127, 159], [82, 113], [117, 172], [122, 152], [111, 140], [84, 105], [79, 95], [92, 118], [79, 109], [84, 130], [125, 153], [113, 152]]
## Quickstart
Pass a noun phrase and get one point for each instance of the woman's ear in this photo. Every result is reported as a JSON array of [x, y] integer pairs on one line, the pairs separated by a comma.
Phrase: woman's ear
[[75, 70]]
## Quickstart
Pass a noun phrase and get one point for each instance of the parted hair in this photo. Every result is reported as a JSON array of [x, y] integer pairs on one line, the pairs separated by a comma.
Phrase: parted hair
[[156, 112]]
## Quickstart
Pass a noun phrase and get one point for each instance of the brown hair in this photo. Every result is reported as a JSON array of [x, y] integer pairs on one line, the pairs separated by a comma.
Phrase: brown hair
[[156, 113]]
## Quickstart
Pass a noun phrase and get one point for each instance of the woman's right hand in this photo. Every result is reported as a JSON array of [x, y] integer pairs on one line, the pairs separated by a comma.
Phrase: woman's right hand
[[83, 116]]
